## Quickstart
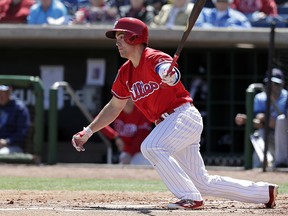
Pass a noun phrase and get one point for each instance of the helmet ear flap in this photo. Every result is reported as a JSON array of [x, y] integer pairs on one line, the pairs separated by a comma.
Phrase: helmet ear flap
[[131, 38]]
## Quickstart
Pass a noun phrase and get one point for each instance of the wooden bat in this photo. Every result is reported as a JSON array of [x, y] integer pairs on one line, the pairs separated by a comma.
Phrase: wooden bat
[[197, 8]]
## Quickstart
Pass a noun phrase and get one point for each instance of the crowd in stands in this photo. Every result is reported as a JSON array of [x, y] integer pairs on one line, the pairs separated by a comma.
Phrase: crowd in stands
[[167, 13]]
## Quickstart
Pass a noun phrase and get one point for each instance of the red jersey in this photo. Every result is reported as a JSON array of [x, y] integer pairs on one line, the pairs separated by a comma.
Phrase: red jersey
[[132, 128], [142, 84], [268, 7], [15, 13]]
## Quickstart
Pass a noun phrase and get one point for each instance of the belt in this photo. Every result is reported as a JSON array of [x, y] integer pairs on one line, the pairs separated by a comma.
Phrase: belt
[[164, 115]]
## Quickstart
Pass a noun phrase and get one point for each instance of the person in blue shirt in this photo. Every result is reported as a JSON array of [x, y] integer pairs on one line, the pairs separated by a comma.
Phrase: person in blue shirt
[[278, 124], [14, 122], [222, 16], [48, 12], [278, 121]]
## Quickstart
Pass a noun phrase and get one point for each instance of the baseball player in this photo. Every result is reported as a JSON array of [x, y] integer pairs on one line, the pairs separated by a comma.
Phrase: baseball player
[[173, 145]]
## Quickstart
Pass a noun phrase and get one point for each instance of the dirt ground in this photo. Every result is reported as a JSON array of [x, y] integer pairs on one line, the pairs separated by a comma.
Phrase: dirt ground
[[72, 203]]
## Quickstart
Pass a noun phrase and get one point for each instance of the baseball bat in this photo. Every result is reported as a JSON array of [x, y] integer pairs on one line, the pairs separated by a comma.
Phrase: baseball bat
[[197, 8], [268, 102]]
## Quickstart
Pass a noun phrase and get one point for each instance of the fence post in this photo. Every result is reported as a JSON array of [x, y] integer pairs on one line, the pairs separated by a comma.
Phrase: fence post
[[53, 125]]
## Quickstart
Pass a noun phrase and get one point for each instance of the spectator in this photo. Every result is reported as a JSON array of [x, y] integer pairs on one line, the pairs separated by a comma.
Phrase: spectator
[[48, 12], [131, 128], [208, 3], [259, 12], [15, 11], [118, 3], [222, 16], [14, 122], [157, 4], [175, 14], [138, 9], [73, 6], [278, 109], [282, 8], [96, 12]]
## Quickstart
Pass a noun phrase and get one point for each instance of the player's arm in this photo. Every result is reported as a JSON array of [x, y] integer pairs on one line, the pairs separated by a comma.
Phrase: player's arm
[[107, 115]]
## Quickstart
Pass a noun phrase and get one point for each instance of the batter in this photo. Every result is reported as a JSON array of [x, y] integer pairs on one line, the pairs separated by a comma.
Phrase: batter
[[173, 145]]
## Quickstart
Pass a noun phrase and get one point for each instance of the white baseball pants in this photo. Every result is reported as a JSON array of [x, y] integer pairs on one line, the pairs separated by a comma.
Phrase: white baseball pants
[[173, 149]]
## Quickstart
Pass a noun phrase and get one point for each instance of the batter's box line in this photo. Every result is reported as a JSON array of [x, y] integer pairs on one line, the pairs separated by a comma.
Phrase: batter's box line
[[121, 207]]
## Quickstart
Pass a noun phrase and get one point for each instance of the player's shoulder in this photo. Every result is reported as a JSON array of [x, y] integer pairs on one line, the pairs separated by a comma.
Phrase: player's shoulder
[[156, 55], [126, 65], [261, 96]]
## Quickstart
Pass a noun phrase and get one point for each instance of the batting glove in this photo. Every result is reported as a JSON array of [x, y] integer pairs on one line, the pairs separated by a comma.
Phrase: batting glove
[[80, 138], [170, 79]]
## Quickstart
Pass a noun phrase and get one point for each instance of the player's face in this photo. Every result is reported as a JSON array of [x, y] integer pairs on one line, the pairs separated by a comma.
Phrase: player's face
[[124, 49]]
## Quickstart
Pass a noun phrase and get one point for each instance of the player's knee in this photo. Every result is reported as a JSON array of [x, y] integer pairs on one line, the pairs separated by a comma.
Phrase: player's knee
[[144, 149], [153, 152], [148, 150]]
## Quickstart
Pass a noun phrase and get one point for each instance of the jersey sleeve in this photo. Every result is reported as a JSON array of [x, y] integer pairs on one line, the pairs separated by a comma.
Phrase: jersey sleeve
[[119, 87]]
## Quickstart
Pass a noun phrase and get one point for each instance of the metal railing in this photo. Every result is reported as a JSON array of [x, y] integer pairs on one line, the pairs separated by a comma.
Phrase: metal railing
[[250, 94]]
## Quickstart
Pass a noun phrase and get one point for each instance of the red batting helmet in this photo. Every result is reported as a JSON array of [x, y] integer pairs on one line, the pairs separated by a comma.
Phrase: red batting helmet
[[135, 31]]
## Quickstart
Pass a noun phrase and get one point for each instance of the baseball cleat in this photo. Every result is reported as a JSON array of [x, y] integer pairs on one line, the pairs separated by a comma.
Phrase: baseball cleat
[[273, 192], [186, 204]]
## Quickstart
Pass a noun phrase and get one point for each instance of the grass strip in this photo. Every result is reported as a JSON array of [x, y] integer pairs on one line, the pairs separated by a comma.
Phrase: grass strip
[[24, 183]]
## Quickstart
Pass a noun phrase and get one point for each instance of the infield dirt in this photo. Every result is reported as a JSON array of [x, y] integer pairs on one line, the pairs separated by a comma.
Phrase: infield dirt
[[72, 203]]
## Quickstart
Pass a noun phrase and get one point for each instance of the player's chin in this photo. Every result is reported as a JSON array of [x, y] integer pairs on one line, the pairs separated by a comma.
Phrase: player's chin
[[122, 54]]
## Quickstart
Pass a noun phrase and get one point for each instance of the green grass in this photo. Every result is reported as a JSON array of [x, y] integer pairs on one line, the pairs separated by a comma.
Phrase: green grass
[[283, 188], [24, 183]]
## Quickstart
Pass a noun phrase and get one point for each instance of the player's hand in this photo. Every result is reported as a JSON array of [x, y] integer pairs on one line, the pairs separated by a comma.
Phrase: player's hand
[[169, 78], [80, 138]]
